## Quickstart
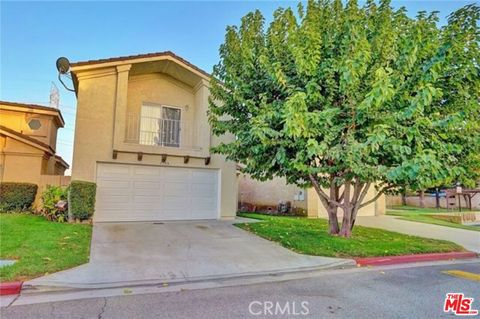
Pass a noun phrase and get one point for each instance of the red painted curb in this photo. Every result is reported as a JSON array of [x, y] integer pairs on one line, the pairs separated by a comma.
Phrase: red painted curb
[[392, 260], [10, 288]]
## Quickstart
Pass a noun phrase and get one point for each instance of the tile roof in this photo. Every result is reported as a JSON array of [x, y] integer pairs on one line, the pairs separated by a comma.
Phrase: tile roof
[[28, 138], [34, 106], [62, 161], [141, 56], [35, 141]]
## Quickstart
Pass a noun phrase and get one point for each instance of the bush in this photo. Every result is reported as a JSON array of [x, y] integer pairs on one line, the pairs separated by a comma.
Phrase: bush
[[17, 196], [82, 199], [50, 197]]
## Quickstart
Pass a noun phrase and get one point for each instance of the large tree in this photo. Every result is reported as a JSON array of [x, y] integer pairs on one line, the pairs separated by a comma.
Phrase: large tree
[[344, 98]]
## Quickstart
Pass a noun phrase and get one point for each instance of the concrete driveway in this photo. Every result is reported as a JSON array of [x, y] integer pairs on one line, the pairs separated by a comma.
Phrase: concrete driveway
[[139, 253]]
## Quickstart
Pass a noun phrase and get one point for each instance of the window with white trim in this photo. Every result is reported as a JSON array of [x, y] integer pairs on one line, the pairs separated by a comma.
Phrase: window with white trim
[[160, 125]]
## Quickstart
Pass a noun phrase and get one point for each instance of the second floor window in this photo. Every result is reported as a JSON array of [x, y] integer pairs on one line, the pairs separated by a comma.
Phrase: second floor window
[[160, 125]]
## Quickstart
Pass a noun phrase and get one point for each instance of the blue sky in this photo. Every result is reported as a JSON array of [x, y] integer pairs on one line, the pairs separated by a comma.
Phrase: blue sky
[[34, 34]]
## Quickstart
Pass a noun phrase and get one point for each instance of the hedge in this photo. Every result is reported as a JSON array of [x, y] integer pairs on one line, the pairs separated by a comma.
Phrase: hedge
[[17, 196], [81, 199]]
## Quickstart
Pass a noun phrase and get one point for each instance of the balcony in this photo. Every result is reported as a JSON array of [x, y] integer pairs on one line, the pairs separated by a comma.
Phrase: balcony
[[154, 132]]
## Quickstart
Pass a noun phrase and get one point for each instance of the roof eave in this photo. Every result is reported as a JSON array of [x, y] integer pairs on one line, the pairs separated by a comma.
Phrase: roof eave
[[113, 62]]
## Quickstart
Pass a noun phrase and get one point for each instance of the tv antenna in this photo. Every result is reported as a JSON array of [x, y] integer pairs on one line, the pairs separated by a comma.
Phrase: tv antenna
[[54, 96], [63, 67]]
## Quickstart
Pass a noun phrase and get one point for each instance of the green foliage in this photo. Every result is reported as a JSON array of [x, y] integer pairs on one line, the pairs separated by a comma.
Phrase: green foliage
[[348, 93], [82, 199], [50, 197], [16, 197]]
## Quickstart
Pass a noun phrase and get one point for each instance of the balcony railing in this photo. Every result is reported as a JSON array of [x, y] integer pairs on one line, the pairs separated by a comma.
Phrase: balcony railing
[[153, 131]]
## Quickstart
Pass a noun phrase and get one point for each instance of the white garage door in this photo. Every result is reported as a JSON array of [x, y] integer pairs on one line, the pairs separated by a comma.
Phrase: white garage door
[[147, 193]]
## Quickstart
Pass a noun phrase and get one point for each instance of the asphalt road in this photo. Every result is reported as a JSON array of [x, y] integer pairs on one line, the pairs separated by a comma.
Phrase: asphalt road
[[392, 293]]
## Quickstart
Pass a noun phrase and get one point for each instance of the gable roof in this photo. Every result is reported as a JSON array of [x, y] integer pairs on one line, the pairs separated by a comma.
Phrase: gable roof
[[132, 58], [36, 107], [32, 142], [61, 161], [26, 139]]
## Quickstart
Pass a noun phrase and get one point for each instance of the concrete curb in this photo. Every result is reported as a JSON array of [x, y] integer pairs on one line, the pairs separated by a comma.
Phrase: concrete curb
[[392, 260], [10, 288], [52, 286]]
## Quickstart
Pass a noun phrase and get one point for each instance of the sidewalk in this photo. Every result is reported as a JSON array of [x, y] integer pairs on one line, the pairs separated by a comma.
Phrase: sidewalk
[[470, 240]]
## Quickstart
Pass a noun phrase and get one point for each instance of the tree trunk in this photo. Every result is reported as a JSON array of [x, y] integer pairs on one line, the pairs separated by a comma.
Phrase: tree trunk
[[333, 226], [332, 210], [350, 202], [346, 230], [422, 199]]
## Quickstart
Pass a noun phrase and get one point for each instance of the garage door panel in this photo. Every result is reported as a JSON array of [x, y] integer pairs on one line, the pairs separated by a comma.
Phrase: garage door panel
[[204, 203], [146, 201], [112, 206], [113, 184], [142, 184], [113, 170], [170, 174], [139, 193], [203, 177], [145, 171], [200, 190], [111, 192], [175, 189], [176, 202], [147, 193]]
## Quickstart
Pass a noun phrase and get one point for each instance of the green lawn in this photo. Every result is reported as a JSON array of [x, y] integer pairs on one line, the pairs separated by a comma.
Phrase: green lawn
[[424, 215], [310, 236], [40, 246]]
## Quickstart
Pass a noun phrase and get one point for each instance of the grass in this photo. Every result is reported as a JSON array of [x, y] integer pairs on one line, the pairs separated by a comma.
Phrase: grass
[[426, 210], [310, 236], [40, 246], [424, 215]]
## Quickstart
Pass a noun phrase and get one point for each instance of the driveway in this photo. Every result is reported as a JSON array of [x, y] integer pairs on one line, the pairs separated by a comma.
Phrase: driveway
[[139, 253], [469, 239]]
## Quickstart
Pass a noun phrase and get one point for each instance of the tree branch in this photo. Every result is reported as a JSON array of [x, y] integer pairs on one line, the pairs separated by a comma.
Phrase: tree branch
[[321, 193], [380, 193], [362, 195]]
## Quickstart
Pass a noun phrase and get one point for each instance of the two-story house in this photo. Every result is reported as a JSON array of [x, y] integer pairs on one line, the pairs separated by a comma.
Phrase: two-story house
[[143, 136], [28, 138]]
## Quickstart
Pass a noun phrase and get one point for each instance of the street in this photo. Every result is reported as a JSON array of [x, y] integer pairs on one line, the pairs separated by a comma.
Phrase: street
[[395, 292]]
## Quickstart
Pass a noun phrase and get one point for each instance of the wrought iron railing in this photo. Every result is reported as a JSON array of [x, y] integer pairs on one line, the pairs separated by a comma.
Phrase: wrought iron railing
[[153, 131]]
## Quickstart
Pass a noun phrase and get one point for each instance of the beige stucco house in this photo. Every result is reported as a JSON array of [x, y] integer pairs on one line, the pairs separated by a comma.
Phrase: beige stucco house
[[266, 195], [376, 208], [143, 136], [28, 138]]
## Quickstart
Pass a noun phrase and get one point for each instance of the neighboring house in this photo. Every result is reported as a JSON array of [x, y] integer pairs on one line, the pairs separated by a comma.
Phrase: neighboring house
[[143, 136], [267, 195], [28, 138], [376, 208]]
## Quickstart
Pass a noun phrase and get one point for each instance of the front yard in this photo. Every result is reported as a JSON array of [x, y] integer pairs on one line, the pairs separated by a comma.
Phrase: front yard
[[429, 216], [310, 236], [40, 246]]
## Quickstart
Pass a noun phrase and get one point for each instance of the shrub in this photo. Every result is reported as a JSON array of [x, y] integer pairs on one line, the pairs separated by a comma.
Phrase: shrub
[[17, 196], [81, 199], [50, 197]]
